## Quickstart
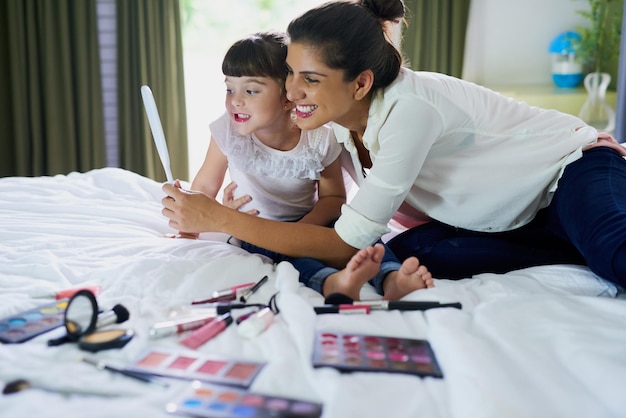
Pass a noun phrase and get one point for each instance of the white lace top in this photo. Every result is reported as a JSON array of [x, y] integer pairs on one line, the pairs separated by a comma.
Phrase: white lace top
[[283, 184]]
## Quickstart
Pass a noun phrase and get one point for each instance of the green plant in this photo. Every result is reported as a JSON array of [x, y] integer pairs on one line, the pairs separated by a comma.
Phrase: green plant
[[598, 50]]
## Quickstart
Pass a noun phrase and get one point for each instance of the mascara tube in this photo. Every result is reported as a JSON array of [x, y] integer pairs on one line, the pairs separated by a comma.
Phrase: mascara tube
[[67, 293]]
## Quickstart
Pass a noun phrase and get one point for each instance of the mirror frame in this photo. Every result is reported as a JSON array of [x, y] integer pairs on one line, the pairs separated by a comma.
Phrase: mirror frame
[[75, 336]]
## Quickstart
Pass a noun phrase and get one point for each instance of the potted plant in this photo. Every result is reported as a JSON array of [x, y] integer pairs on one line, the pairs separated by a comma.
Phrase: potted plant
[[598, 51]]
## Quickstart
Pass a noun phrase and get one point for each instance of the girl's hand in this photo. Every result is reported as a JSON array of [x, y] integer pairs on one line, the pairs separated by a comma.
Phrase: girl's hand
[[230, 201]]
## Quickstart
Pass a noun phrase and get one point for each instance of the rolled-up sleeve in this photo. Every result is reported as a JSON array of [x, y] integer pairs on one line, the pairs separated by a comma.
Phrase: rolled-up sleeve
[[398, 147], [356, 230]]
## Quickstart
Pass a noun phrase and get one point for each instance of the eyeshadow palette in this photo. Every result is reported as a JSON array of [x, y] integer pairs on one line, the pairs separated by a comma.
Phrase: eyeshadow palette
[[370, 353], [206, 400], [195, 366], [29, 324]]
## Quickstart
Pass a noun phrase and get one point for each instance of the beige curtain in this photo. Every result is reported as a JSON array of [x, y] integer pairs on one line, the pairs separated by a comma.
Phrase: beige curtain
[[51, 101], [434, 39], [150, 52]]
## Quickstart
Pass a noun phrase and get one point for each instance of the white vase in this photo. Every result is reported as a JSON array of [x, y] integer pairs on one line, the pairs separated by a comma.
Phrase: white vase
[[596, 111]]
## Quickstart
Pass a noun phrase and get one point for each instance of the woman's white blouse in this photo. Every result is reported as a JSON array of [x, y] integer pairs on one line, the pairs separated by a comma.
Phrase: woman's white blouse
[[459, 153]]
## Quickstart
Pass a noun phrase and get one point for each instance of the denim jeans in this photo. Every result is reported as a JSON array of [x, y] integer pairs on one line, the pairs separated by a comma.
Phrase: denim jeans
[[313, 272], [584, 224]]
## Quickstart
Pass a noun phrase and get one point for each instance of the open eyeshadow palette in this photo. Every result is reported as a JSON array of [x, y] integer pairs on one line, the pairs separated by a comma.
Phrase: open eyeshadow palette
[[196, 366], [370, 353], [208, 400], [29, 324]]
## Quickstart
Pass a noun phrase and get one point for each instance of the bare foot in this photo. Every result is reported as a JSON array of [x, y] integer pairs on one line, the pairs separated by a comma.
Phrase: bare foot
[[362, 267], [411, 276]]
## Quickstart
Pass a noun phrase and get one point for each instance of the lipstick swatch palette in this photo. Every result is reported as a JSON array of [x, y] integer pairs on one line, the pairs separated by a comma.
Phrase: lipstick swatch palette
[[196, 366], [207, 400], [370, 353], [29, 324]]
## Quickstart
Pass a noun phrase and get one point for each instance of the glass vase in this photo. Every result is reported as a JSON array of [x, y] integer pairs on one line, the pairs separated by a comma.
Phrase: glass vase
[[596, 111]]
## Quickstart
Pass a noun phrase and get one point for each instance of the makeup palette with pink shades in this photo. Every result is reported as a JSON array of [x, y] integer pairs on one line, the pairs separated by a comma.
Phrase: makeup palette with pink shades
[[370, 353], [195, 366], [207, 400]]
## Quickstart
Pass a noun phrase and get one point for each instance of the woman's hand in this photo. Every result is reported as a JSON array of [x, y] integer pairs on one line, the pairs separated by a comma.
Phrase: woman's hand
[[229, 199], [196, 212]]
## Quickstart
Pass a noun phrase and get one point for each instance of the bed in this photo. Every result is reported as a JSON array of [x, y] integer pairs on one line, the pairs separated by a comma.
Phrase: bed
[[540, 342]]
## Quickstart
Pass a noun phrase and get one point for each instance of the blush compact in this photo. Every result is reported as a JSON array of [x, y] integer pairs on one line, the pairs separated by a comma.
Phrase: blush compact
[[371, 353]]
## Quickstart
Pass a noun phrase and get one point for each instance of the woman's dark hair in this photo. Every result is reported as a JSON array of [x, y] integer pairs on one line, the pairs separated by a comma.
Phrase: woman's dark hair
[[261, 54], [350, 37]]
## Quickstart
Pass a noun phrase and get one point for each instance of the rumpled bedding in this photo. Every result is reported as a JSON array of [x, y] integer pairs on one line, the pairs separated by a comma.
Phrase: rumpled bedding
[[545, 341]]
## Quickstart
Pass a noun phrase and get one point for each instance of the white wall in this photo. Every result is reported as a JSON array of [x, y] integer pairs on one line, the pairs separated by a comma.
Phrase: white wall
[[507, 40]]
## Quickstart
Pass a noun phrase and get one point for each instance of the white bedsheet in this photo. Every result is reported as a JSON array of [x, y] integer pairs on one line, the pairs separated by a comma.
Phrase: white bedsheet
[[539, 342]]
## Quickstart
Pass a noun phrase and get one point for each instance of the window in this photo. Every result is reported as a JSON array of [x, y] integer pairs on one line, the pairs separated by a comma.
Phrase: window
[[107, 38], [209, 28]]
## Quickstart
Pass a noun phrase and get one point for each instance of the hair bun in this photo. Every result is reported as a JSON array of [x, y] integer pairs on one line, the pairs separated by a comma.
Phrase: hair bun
[[385, 9]]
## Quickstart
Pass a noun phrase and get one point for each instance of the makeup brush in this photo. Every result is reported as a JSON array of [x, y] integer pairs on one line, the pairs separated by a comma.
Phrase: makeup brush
[[385, 305], [101, 365], [338, 299], [20, 385], [116, 315]]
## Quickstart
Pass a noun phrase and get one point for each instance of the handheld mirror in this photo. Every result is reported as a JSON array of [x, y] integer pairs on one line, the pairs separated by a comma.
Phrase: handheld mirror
[[81, 315], [83, 318], [157, 130]]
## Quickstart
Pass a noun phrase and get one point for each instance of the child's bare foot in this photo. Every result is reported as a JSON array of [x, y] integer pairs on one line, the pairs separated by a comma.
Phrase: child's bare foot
[[411, 276], [362, 267]]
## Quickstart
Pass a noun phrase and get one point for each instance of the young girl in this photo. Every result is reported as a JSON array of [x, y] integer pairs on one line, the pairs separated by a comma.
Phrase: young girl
[[293, 175], [280, 172]]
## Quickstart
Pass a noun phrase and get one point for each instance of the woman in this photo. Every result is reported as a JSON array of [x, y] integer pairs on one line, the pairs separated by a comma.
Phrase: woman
[[503, 185]]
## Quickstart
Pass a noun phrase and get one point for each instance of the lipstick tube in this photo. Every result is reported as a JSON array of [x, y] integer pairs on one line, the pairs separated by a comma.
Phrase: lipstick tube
[[165, 328], [68, 293], [231, 293], [207, 331], [342, 309]]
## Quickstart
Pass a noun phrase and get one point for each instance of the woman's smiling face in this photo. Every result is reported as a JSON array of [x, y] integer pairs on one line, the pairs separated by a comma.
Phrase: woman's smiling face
[[320, 93]]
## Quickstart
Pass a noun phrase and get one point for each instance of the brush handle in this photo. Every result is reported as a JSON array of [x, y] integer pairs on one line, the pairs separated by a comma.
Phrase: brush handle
[[135, 375], [157, 130]]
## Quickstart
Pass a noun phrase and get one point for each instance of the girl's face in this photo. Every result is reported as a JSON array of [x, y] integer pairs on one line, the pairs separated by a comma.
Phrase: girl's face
[[319, 92], [255, 103]]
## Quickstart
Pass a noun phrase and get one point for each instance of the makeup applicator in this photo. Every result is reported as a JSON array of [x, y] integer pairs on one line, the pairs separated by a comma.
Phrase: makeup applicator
[[386, 305]]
